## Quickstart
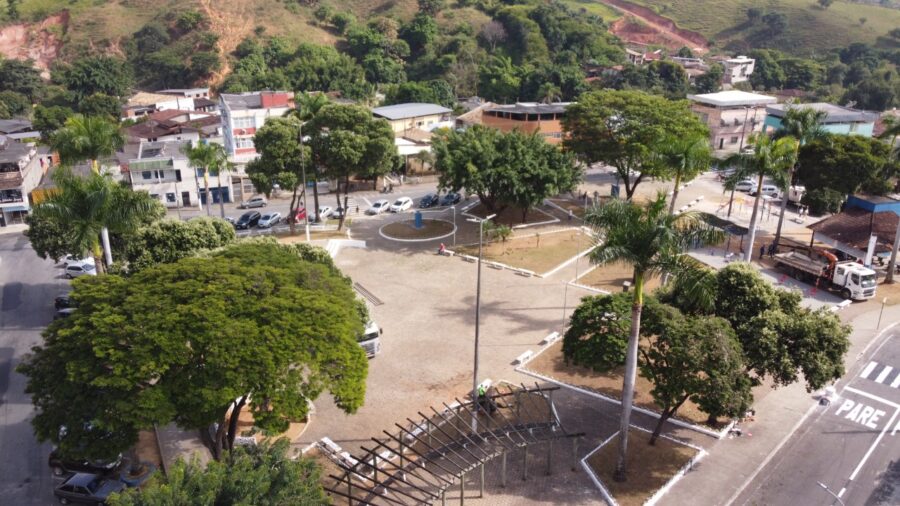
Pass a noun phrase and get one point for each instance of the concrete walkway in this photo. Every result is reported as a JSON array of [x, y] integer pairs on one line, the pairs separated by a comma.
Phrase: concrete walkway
[[733, 462]]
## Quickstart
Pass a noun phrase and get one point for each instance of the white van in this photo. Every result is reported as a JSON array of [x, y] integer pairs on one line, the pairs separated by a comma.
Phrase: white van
[[768, 190]]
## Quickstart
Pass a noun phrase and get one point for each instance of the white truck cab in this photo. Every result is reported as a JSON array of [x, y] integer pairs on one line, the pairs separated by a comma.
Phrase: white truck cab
[[370, 339], [855, 281]]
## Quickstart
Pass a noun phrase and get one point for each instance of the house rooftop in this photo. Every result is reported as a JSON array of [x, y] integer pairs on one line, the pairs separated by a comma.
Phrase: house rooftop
[[173, 91], [532, 108], [739, 59], [854, 226], [835, 113], [11, 151], [411, 110], [254, 99], [732, 98], [9, 126], [143, 98], [170, 149]]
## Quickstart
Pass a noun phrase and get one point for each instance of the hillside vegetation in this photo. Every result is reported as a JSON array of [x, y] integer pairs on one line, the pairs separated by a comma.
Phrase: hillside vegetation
[[810, 28]]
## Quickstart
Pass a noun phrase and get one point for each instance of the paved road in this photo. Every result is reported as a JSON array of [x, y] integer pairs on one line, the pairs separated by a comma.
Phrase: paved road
[[29, 285], [852, 446]]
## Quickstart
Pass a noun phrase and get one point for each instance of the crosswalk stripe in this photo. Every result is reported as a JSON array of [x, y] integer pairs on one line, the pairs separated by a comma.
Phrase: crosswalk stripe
[[896, 382], [868, 370], [884, 374]]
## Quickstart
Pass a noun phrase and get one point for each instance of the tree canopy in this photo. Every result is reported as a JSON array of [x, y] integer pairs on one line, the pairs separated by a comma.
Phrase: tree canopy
[[253, 324], [168, 241], [262, 475], [621, 129], [503, 169]]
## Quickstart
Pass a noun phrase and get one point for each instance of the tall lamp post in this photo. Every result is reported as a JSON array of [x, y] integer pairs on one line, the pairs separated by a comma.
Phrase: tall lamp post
[[477, 315]]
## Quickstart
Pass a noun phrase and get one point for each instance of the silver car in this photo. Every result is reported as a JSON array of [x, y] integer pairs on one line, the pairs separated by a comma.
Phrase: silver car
[[254, 202], [269, 220]]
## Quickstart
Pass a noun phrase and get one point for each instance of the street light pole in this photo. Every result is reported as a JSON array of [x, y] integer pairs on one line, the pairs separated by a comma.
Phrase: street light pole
[[830, 492], [478, 316]]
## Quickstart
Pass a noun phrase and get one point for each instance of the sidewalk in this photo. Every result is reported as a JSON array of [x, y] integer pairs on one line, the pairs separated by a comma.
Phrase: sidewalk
[[721, 476]]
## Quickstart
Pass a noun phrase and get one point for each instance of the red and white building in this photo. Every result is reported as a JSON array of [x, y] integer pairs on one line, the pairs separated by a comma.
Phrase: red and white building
[[244, 113]]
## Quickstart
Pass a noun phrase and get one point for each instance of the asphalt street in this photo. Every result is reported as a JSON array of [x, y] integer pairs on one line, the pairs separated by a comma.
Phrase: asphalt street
[[846, 452], [29, 285]]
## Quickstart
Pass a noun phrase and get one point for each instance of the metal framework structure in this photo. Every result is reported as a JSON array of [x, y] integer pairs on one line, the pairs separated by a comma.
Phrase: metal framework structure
[[417, 463]]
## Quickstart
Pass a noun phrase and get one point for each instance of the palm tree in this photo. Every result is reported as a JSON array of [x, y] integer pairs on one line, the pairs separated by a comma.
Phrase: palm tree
[[85, 206], [209, 157], [686, 157], [307, 106], [770, 158], [892, 132], [805, 126], [651, 241], [88, 138]]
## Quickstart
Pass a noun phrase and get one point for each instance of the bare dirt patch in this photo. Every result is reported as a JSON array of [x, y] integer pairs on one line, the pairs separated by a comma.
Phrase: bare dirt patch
[[539, 253], [511, 216], [611, 278], [407, 229], [147, 448], [551, 363], [643, 26], [651, 467], [40, 42]]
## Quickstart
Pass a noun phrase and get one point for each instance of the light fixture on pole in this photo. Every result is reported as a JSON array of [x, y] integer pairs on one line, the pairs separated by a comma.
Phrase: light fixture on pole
[[477, 315]]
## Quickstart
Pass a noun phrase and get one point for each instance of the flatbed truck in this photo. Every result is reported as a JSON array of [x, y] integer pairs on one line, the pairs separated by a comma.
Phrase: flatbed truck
[[850, 279]]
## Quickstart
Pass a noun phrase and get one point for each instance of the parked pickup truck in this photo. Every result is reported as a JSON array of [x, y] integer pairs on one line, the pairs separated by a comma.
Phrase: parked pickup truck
[[850, 279]]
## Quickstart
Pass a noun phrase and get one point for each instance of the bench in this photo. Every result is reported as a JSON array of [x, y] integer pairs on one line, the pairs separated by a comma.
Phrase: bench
[[550, 338], [468, 258], [329, 445], [495, 265], [524, 272], [524, 357]]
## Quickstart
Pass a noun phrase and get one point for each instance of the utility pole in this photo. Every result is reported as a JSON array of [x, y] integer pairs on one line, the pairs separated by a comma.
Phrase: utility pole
[[478, 316]]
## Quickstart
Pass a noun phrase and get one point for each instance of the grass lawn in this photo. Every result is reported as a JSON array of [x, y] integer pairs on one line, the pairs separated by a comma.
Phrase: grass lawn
[[650, 467], [610, 278], [551, 363], [537, 253], [407, 230], [809, 27], [608, 13]]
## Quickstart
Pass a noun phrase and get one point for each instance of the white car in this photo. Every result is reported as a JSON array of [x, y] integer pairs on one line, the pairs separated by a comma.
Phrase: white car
[[401, 204], [378, 207], [75, 270], [325, 212], [74, 259], [269, 220], [745, 186], [769, 190]]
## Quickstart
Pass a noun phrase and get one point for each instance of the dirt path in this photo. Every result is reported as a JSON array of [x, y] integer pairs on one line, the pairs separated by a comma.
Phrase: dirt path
[[232, 22], [641, 25]]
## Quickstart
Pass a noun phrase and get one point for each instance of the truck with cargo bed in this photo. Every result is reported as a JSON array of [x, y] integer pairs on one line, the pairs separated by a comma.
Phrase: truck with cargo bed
[[850, 279]]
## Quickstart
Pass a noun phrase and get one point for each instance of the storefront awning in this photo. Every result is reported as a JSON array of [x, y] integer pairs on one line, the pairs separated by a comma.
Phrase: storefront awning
[[10, 209]]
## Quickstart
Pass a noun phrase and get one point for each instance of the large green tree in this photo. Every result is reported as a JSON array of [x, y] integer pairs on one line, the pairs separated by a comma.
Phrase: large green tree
[[262, 475], [347, 141], [651, 241], [95, 74], [696, 358], [622, 128], [168, 241], [253, 326], [83, 207], [503, 169]]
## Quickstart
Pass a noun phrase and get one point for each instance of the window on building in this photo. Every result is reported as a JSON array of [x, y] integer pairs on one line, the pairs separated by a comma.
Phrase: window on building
[[178, 175], [154, 196], [243, 142], [244, 122], [734, 140], [147, 174], [170, 198]]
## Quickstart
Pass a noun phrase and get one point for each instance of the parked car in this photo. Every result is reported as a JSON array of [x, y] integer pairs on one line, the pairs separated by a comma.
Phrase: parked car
[[248, 220], [378, 207], [75, 270], [450, 199], [745, 186], [269, 220], [401, 204], [231, 220], [299, 215], [64, 313], [325, 212], [254, 202], [75, 259], [768, 190], [337, 213], [87, 488], [430, 200], [62, 466], [63, 301]]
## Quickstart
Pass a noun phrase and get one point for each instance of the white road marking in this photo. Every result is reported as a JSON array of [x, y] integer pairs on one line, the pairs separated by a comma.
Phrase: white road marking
[[884, 374], [896, 382], [873, 397], [842, 492], [868, 370], [872, 448], [896, 428]]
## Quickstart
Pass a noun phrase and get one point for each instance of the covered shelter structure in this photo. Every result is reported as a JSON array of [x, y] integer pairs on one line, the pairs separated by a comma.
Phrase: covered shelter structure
[[418, 461], [865, 229]]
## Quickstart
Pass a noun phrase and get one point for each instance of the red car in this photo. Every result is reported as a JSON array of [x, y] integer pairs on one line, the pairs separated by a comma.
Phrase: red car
[[299, 215]]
